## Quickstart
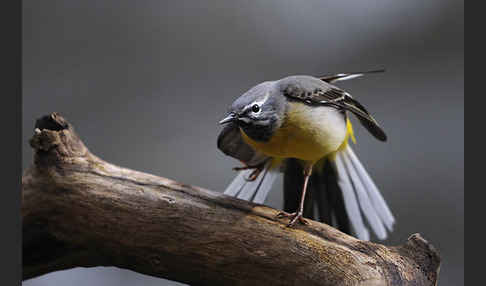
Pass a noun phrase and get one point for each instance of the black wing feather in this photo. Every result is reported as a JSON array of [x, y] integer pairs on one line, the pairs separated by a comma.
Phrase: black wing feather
[[365, 118], [327, 94]]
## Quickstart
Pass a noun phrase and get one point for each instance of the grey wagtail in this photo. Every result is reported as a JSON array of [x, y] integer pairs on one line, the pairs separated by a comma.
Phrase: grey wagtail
[[299, 125]]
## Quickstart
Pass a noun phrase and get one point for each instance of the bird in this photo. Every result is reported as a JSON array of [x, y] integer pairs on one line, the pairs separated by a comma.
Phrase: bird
[[299, 125]]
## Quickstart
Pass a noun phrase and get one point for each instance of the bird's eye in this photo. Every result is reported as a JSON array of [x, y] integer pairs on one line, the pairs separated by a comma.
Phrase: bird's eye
[[255, 108]]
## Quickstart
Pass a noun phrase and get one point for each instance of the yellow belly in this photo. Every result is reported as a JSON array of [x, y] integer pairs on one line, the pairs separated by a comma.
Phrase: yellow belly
[[307, 133]]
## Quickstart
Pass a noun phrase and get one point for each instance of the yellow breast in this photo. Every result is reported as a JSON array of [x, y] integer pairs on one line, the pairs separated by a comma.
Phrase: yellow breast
[[307, 133]]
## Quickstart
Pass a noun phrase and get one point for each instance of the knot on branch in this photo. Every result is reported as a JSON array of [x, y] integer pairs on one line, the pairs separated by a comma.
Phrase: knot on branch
[[53, 122], [424, 254], [55, 140]]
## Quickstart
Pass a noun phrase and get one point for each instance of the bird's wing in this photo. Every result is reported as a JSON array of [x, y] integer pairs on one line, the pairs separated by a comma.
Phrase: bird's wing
[[232, 144], [331, 78], [322, 93]]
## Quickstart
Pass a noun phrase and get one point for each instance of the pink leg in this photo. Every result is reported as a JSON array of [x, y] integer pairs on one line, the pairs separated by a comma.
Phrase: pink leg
[[298, 214]]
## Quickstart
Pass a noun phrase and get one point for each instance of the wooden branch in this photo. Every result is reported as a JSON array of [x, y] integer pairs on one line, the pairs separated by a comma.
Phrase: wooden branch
[[79, 210]]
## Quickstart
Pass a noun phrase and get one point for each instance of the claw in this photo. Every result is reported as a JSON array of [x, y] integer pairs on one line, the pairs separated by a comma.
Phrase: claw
[[252, 177], [241, 168], [257, 170], [283, 214], [299, 218], [294, 217]]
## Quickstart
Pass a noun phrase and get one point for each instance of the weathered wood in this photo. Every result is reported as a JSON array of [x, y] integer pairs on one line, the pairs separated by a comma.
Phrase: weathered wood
[[79, 210]]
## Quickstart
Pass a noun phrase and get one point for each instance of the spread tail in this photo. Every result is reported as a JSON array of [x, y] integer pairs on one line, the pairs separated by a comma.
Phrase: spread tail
[[340, 193]]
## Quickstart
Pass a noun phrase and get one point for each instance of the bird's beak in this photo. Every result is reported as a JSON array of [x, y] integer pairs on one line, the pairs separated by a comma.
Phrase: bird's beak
[[230, 118]]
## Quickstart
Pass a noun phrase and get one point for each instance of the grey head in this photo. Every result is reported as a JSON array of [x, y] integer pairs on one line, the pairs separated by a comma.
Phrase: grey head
[[259, 111]]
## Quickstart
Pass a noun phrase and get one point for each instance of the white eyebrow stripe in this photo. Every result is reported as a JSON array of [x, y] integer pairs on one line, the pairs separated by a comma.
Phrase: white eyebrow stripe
[[259, 102]]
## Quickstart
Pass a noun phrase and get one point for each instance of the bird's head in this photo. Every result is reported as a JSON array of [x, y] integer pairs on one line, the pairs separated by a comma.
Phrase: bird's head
[[258, 112]]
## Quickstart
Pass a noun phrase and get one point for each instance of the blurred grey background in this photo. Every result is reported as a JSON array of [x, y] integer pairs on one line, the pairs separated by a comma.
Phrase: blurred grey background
[[145, 83]]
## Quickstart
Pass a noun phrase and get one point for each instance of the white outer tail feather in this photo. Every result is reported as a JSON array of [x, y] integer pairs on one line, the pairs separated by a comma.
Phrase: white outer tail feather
[[375, 195], [238, 182], [353, 178], [265, 186], [256, 190], [350, 201], [364, 201]]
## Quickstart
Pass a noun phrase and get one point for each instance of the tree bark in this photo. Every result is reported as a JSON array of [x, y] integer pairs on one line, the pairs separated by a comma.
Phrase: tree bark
[[79, 210]]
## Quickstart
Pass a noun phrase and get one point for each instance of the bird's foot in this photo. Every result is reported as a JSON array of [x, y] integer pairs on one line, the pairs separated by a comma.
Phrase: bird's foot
[[257, 169], [294, 217]]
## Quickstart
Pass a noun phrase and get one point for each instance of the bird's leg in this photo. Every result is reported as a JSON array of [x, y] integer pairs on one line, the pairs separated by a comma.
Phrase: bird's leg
[[298, 214], [257, 169]]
